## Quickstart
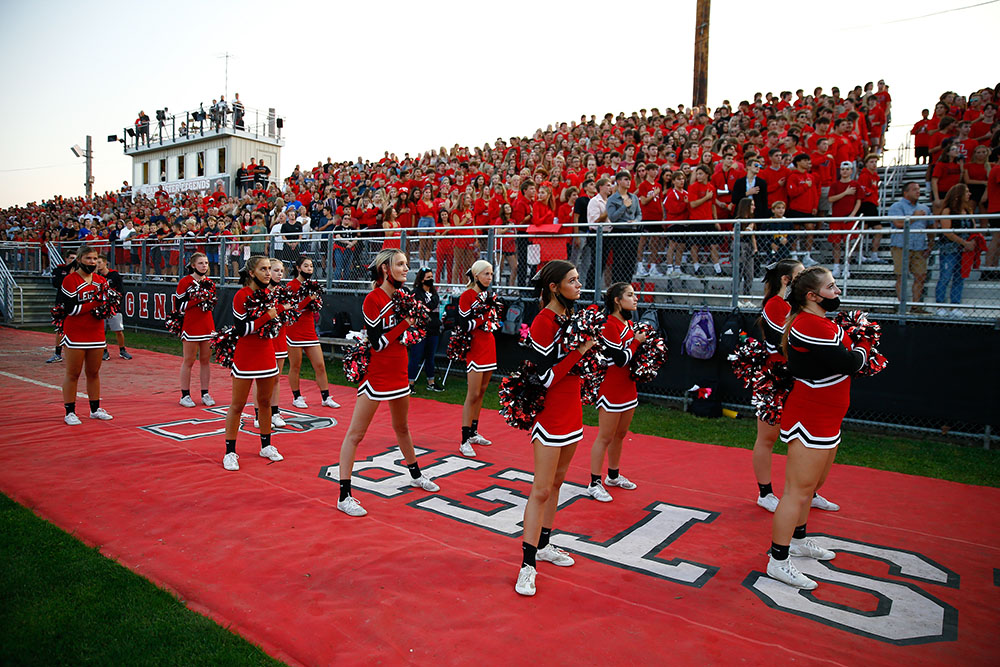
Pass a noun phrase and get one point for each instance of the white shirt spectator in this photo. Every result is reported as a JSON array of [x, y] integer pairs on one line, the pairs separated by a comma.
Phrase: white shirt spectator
[[596, 207]]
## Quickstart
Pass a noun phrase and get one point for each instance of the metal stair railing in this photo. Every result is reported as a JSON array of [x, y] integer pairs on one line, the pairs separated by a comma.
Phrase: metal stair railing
[[7, 287]]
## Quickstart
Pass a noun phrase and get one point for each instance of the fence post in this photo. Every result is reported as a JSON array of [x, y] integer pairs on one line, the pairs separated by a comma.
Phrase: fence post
[[111, 252], [734, 261], [223, 260], [598, 264], [904, 274], [142, 260], [491, 253]]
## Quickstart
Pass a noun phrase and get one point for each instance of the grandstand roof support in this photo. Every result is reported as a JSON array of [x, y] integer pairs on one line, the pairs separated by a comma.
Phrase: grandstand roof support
[[699, 95]]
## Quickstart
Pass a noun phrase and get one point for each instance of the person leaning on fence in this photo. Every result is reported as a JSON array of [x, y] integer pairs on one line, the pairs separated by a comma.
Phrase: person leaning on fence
[[623, 208], [953, 241], [915, 255]]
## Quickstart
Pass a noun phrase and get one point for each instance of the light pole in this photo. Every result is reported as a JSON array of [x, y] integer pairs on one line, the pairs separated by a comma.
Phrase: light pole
[[87, 153]]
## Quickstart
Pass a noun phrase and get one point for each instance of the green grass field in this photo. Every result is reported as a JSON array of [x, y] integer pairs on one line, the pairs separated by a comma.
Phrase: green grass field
[[75, 606]]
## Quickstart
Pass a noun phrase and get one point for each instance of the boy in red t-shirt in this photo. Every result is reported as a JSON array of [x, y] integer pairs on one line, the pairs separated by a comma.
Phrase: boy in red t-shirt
[[846, 203], [921, 139]]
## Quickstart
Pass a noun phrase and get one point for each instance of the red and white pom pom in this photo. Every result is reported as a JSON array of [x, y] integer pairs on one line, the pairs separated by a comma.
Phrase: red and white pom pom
[[408, 306], [583, 326], [748, 360], [175, 322], [108, 302], [282, 295], [522, 396], [649, 357], [770, 389], [206, 296], [257, 304], [312, 288], [413, 335], [459, 345], [858, 327], [58, 313], [224, 346], [356, 361]]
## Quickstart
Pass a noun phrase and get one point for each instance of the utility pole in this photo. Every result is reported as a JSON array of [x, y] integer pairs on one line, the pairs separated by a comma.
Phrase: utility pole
[[89, 154], [703, 12], [227, 55]]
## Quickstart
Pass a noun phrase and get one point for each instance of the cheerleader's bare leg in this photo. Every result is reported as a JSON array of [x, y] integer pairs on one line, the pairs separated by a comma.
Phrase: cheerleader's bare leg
[[204, 359], [191, 349], [763, 448], [92, 369], [294, 367], [315, 354], [74, 366]]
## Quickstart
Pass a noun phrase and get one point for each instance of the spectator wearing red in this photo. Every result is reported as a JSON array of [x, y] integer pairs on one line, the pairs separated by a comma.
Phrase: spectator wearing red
[[677, 211], [651, 205], [985, 126], [946, 174], [921, 137], [846, 203], [701, 194], [426, 217], [803, 201], [523, 209], [976, 173], [993, 206], [868, 184], [824, 169]]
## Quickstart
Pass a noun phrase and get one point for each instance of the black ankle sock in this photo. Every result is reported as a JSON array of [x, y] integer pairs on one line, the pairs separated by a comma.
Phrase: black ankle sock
[[95, 405], [779, 551], [230, 446], [345, 489], [58, 350], [121, 349], [265, 440], [466, 433], [475, 426], [543, 538], [594, 479], [528, 554], [70, 407], [296, 394], [613, 473], [274, 409], [765, 489], [324, 393], [204, 392], [185, 393], [800, 532], [414, 469]]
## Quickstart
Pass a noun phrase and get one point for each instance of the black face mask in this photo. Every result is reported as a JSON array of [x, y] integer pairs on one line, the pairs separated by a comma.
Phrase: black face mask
[[395, 283], [428, 283], [88, 268], [200, 273], [482, 287], [260, 284], [830, 305], [305, 276]]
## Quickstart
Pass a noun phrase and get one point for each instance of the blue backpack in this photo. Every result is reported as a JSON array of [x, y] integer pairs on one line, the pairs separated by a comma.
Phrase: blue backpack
[[700, 339]]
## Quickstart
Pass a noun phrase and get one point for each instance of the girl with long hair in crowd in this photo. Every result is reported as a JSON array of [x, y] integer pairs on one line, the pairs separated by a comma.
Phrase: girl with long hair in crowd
[[952, 242], [253, 362], [821, 359], [422, 354], [618, 397], [444, 253], [464, 245], [83, 335], [481, 360], [508, 244], [196, 331], [559, 426], [303, 339], [280, 344], [385, 380]]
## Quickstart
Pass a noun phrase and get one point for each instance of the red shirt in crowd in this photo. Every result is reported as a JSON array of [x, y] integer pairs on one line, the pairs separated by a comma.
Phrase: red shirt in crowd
[[803, 193]]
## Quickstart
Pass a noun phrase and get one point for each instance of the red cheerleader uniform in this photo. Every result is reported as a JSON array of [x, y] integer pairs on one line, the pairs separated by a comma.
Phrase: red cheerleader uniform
[[280, 344], [822, 359], [198, 324], [254, 355], [302, 332], [482, 354], [81, 330], [560, 422], [618, 392], [773, 322], [386, 378]]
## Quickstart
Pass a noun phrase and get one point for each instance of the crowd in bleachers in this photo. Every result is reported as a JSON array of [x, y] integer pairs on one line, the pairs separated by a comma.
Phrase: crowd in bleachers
[[796, 157]]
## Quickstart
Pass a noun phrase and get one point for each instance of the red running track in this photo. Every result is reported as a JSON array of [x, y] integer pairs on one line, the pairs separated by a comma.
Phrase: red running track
[[668, 574]]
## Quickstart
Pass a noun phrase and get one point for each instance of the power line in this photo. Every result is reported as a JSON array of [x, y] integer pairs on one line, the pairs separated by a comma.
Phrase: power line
[[923, 16], [48, 166]]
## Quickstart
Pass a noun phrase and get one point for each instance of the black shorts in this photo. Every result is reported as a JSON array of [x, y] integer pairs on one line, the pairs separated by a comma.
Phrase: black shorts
[[922, 151], [869, 210]]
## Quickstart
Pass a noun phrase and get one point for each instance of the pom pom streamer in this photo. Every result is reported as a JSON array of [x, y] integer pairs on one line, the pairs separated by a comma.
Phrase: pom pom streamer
[[459, 345], [522, 396], [312, 288], [748, 360], [58, 313], [771, 387], [108, 302], [858, 328], [649, 357], [257, 304], [175, 322], [356, 361], [224, 346], [206, 296], [407, 306], [288, 299]]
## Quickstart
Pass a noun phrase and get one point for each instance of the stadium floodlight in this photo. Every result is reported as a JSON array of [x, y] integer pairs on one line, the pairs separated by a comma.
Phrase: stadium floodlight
[[77, 151]]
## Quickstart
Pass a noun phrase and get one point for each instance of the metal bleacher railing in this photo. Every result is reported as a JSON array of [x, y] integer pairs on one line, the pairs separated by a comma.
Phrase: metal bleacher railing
[[193, 123]]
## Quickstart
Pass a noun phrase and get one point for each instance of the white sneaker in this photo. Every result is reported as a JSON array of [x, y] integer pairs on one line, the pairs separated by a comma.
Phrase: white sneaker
[[72, 419], [640, 270], [821, 503], [230, 461], [837, 271], [270, 452], [785, 572], [206, 399], [277, 421], [621, 481], [718, 269], [768, 502], [187, 402], [101, 414], [351, 507], [654, 271], [425, 483], [808, 261], [553, 554], [300, 402], [330, 403], [809, 549], [695, 268], [477, 439], [466, 448], [598, 492], [525, 581]]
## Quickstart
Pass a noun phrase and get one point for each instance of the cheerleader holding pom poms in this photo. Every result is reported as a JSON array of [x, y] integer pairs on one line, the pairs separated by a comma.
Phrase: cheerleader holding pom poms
[[280, 345], [618, 398], [821, 358], [254, 312], [301, 334], [192, 304], [82, 302], [559, 426], [385, 377], [480, 320]]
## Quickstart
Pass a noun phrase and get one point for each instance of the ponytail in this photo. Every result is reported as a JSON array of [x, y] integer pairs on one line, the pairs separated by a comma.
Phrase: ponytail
[[251, 266], [616, 291], [552, 272], [383, 258], [809, 280]]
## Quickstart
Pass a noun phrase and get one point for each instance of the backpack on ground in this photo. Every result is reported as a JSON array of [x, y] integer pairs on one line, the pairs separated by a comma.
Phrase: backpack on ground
[[513, 318], [700, 340]]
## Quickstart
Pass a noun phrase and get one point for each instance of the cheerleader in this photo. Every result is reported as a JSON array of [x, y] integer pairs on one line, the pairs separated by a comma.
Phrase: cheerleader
[[253, 362], [772, 325], [385, 380], [83, 335], [481, 360], [618, 398], [559, 426], [196, 332], [301, 336], [821, 359], [280, 354]]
